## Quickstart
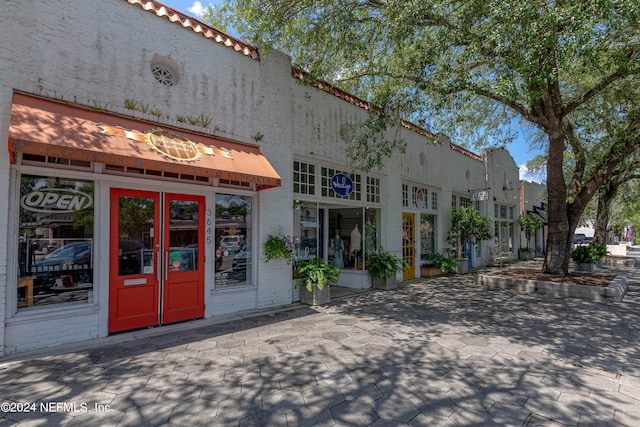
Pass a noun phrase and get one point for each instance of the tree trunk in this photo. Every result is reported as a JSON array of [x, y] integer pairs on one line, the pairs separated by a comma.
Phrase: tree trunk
[[602, 217], [558, 242]]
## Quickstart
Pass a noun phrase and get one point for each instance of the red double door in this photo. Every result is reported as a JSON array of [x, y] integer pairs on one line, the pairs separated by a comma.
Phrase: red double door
[[156, 268]]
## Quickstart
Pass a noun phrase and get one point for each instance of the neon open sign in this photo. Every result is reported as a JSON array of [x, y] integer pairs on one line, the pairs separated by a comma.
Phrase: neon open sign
[[56, 200]]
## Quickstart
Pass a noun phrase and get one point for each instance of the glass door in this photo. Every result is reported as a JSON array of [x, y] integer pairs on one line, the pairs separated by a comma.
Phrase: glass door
[[159, 273], [409, 245], [183, 284]]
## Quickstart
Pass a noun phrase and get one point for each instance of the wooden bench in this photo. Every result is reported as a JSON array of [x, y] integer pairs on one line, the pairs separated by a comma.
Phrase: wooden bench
[[499, 258]]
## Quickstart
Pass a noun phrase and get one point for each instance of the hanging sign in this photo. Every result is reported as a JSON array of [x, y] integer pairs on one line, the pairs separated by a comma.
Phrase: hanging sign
[[479, 196], [342, 184]]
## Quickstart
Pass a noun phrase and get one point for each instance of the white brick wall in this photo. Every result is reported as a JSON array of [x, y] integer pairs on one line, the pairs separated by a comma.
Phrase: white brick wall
[[99, 53], [48, 331]]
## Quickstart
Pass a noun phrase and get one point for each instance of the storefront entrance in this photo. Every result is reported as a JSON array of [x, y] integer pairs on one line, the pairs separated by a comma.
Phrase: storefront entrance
[[156, 273], [409, 245]]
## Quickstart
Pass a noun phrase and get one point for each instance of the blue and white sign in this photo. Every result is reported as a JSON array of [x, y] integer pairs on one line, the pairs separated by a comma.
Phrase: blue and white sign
[[342, 184]]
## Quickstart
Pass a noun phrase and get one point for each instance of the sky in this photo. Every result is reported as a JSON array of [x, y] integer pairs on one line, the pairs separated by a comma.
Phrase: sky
[[520, 150]]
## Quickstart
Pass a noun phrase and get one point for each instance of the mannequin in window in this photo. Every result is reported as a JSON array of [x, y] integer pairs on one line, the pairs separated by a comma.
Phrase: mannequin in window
[[339, 250], [355, 242]]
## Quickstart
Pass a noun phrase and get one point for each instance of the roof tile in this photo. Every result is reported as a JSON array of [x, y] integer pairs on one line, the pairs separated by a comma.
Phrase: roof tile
[[197, 27]]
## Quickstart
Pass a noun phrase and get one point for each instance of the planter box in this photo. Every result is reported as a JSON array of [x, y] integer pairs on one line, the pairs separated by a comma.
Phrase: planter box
[[316, 297], [586, 268], [386, 284], [616, 290], [431, 272], [463, 265], [619, 261], [526, 255]]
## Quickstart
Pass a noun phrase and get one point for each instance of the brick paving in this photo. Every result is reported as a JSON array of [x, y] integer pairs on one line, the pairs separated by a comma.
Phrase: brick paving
[[435, 352]]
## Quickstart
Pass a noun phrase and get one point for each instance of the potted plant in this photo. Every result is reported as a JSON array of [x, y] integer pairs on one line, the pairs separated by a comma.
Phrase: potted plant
[[467, 225], [441, 263], [584, 258], [383, 267], [278, 247], [529, 224], [315, 276], [599, 252]]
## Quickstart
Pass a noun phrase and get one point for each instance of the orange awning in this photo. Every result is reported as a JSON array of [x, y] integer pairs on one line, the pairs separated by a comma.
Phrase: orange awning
[[47, 128]]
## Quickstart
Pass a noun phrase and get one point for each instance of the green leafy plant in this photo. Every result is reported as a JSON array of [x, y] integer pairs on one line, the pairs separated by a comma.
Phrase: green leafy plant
[[467, 223], [317, 273], [599, 250], [443, 261], [156, 112], [530, 224], [278, 247], [583, 255], [384, 264], [130, 104]]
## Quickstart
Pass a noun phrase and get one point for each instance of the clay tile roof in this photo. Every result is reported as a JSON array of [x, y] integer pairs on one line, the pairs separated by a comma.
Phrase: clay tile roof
[[197, 26]]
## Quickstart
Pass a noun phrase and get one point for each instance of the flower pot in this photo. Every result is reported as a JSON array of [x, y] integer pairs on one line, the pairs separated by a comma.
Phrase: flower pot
[[525, 255], [316, 296], [586, 268], [386, 284], [462, 265], [431, 272]]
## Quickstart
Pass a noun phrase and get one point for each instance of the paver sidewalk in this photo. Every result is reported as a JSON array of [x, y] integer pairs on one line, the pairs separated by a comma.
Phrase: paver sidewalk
[[436, 352]]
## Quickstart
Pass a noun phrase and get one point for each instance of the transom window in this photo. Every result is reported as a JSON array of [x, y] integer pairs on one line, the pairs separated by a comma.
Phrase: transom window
[[373, 189], [304, 178]]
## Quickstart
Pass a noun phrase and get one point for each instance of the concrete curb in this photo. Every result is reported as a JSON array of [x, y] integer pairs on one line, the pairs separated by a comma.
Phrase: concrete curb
[[616, 290]]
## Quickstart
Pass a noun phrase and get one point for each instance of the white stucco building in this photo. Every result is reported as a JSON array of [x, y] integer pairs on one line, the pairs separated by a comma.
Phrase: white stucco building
[[148, 157]]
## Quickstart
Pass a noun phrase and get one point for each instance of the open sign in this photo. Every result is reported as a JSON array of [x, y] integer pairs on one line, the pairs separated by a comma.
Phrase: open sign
[[55, 200]]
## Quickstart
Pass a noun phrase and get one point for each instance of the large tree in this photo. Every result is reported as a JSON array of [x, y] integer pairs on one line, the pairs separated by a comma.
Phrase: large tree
[[467, 66]]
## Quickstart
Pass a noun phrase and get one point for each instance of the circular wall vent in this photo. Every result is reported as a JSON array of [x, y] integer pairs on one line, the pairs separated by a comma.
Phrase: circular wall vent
[[164, 74]]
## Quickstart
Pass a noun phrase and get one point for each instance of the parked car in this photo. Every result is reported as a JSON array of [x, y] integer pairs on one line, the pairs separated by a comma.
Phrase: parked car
[[240, 260], [581, 238], [73, 259], [231, 243]]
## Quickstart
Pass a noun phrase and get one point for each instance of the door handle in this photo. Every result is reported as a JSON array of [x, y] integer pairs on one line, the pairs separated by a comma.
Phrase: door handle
[[166, 265], [158, 265]]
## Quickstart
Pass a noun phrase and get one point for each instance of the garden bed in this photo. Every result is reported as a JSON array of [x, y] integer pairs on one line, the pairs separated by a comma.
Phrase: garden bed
[[597, 287]]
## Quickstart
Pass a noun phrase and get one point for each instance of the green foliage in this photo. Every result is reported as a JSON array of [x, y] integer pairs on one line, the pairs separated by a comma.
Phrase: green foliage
[[583, 254], [599, 250], [443, 261], [530, 224], [278, 247], [466, 222], [317, 273], [384, 264]]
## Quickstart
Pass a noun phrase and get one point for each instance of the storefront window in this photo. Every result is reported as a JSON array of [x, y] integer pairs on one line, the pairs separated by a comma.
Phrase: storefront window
[[427, 236], [353, 233], [232, 237], [55, 241], [504, 234], [305, 229]]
